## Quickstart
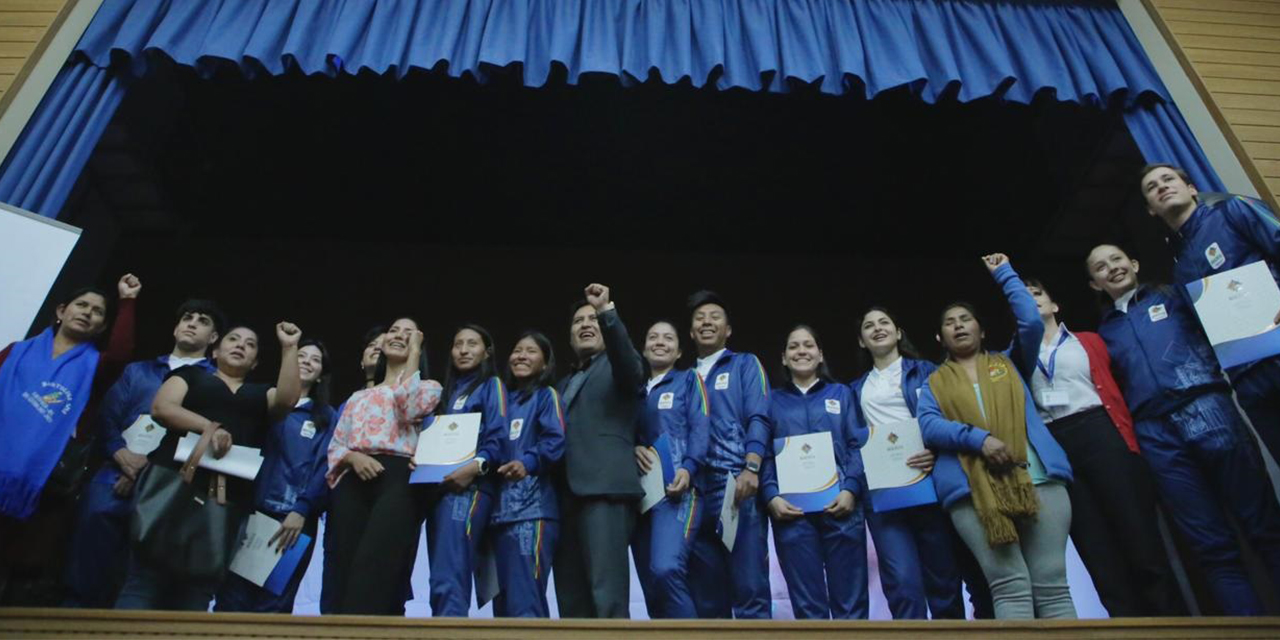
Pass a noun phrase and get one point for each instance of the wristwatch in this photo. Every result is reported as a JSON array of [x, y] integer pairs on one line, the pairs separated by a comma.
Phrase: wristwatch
[[484, 465], [753, 467]]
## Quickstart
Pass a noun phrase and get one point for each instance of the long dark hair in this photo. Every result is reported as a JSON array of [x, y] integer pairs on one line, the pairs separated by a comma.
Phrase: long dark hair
[[906, 348], [824, 373], [319, 394], [548, 375], [108, 317], [484, 371], [381, 372]]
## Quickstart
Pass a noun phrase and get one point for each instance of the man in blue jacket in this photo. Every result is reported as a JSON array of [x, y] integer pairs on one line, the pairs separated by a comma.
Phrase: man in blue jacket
[[1211, 233], [100, 543], [733, 583], [1205, 462]]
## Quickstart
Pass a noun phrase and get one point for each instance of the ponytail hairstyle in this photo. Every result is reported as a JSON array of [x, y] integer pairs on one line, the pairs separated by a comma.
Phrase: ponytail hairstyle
[[320, 391]]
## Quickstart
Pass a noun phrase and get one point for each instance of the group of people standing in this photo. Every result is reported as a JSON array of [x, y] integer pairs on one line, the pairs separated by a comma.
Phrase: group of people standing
[[1061, 433]]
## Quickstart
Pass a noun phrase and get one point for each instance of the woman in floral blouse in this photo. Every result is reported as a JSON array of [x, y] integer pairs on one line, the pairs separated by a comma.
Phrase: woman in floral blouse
[[374, 517]]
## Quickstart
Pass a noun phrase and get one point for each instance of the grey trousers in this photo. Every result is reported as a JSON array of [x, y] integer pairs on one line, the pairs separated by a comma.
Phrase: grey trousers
[[1028, 578]]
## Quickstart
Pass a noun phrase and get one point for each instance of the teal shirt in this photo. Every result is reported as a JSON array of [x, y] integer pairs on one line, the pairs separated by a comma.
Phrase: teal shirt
[[1034, 466]]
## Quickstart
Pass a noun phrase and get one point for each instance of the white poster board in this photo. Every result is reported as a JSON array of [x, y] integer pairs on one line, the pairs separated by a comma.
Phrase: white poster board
[[33, 250]]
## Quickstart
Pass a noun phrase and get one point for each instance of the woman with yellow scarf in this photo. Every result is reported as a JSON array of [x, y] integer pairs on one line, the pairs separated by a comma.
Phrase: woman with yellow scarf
[[1000, 474]]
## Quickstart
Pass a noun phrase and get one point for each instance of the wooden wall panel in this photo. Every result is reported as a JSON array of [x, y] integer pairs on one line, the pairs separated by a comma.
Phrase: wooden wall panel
[[23, 23], [1231, 51]]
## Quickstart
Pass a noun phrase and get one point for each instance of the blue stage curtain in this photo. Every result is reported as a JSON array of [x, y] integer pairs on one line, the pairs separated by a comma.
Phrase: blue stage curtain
[[1067, 50], [47, 158], [1163, 136], [1078, 50]]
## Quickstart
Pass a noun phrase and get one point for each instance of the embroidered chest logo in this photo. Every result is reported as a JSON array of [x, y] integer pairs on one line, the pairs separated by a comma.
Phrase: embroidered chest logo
[[1215, 256], [308, 429], [1157, 313], [52, 399], [517, 426], [998, 370], [666, 400], [722, 381], [833, 406], [459, 403]]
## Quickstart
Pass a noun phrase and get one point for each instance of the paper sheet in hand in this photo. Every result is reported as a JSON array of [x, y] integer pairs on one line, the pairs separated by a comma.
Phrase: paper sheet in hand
[[144, 435], [807, 475], [893, 484], [241, 462], [729, 513], [447, 444], [660, 475], [259, 562], [1238, 309]]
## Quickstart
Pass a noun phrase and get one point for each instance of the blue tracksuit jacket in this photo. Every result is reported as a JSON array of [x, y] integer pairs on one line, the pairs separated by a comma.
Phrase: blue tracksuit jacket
[[826, 407], [677, 406], [535, 436], [738, 391], [294, 464], [1159, 354]]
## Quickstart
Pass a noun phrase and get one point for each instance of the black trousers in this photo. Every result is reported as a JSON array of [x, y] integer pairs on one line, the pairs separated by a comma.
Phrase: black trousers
[[592, 569], [1113, 518], [373, 530]]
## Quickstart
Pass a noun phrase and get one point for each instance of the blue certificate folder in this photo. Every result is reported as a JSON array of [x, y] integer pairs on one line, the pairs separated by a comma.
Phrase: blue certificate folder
[[912, 495], [1237, 309], [287, 565], [663, 447], [824, 489], [435, 473]]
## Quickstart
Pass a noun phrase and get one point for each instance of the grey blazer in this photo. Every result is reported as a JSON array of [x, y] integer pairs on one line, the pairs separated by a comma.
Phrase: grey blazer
[[601, 417]]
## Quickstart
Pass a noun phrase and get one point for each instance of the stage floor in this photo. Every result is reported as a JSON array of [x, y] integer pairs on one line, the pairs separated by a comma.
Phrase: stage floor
[[65, 623]]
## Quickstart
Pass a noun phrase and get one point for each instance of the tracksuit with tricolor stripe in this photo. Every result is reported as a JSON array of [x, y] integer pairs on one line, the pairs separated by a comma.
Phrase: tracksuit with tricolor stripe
[[456, 521], [677, 407], [733, 584], [525, 521]]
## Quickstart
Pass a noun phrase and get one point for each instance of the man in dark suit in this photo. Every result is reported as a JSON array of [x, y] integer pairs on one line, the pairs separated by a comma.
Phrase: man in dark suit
[[600, 483]]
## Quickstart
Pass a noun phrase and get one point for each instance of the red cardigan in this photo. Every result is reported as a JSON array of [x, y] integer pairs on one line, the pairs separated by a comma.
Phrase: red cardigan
[[1105, 383]]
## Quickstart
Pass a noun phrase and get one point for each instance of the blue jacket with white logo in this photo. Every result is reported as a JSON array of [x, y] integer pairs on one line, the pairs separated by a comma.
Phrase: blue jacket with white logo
[[1159, 353], [535, 436], [738, 391], [828, 406], [294, 461], [949, 437], [130, 397], [489, 399], [915, 373], [677, 406], [1225, 232]]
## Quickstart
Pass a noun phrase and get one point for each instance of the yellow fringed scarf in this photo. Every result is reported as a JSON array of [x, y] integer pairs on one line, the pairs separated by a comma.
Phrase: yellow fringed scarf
[[999, 497]]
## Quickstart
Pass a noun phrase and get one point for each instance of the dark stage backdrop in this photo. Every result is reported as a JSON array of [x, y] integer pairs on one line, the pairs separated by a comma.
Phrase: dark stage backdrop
[[340, 202]]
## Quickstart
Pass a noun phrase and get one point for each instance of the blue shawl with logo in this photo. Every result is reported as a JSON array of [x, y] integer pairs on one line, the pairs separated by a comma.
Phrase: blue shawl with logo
[[41, 398]]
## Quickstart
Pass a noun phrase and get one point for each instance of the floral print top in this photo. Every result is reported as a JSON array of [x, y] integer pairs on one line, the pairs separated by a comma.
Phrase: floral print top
[[384, 420]]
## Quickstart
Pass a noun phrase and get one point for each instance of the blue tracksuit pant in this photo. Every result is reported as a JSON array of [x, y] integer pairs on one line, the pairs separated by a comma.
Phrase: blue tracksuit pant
[[99, 550], [524, 551], [238, 594], [454, 530], [918, 569], [731, 584], [1258, 390], [662, 546], [1206, 466], [824, 560]]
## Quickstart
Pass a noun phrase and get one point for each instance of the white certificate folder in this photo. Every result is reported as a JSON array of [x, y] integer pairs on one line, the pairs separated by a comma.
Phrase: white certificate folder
[[447, 444], [807, 473], [891, 483], [1238, 309]]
